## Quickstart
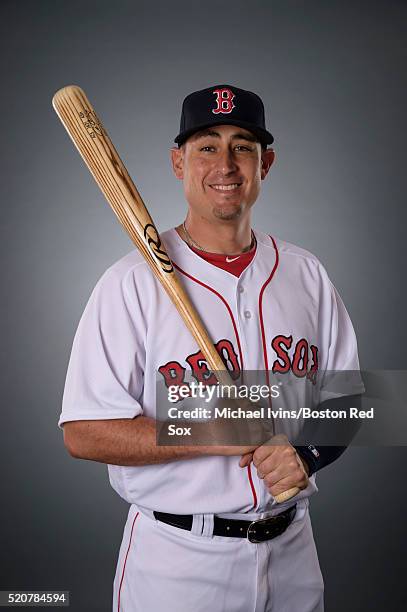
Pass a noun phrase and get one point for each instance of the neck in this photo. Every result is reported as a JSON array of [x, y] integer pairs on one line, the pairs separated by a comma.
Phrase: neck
[[225, 238]]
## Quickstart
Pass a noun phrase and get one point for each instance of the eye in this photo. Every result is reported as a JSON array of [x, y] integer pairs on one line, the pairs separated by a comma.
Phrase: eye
[[243, 148], [207, 148]]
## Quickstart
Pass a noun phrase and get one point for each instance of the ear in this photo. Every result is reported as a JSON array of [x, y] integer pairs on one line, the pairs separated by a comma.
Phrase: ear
[[177, 158], [267, 159]]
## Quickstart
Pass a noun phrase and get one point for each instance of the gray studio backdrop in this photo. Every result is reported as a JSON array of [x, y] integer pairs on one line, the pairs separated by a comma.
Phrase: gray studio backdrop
[[332, 74]]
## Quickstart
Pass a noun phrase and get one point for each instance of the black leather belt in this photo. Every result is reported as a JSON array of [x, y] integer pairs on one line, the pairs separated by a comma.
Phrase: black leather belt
[[254, 531]]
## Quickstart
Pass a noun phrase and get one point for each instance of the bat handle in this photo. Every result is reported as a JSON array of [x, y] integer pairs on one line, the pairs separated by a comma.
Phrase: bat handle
[[286, 495]]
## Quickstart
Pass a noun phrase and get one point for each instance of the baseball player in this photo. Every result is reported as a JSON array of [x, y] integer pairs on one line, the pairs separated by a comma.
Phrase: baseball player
[[204, 531]]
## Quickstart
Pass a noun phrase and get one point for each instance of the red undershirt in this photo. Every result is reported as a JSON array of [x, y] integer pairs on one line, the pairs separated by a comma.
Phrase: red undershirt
[[236, 263]]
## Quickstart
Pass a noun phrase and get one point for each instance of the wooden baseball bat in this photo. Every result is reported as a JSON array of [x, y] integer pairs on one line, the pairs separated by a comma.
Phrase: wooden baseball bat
[[97, 150]]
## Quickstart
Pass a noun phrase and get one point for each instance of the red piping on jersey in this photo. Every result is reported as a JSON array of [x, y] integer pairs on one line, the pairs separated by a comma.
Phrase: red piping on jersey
[[263, 335], [125, 561], [249, 473], [224, 302]]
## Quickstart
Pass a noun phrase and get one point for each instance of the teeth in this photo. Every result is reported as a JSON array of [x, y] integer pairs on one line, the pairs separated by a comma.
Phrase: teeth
[[226, 187]]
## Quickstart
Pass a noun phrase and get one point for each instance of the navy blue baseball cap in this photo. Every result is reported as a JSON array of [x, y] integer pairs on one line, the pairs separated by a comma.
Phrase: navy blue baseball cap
[[223, 104]]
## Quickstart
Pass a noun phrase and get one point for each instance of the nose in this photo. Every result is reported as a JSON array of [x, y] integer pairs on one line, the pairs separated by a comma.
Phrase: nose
[[226, 161]]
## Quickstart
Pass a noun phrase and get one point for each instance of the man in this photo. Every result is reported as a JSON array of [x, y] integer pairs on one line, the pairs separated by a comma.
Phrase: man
[[195, 538]]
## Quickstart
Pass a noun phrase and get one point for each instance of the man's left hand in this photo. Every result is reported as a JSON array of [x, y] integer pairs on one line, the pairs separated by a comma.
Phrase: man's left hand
[[279, 465]]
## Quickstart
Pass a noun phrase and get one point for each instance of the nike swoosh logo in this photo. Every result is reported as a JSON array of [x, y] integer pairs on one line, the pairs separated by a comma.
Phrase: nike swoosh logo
[[229, 260]]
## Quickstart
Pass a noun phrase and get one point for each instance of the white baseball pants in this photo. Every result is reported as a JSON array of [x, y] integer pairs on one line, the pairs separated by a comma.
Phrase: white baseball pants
[[164, 568]]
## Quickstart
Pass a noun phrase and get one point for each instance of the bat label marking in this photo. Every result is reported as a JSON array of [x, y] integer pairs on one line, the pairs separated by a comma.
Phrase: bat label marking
[[91, 122], [154, 243]]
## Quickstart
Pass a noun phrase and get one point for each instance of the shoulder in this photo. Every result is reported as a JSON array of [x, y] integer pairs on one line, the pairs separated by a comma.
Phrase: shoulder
[[132, 269], [286, 249], [121, 272], [294, 259]]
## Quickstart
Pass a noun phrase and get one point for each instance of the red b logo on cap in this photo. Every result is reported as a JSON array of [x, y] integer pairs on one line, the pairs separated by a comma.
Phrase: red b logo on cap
[[224, 101]]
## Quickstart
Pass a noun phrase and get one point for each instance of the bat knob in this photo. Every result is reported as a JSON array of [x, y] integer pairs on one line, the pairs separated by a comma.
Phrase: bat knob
[[286, 495]]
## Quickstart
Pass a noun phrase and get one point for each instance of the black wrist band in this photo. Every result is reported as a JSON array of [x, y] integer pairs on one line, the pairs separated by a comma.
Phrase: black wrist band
[[319, 457]]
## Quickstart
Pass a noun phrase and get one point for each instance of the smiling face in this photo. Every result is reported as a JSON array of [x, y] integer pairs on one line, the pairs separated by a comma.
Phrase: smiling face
[[222, 169]]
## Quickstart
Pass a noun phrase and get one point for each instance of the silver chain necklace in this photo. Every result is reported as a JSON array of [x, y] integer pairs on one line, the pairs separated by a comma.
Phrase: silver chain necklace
[[192, 242]]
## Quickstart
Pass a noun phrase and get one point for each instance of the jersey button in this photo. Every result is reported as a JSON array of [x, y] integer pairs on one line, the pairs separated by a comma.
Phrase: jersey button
[[247, 314], [240, 289]]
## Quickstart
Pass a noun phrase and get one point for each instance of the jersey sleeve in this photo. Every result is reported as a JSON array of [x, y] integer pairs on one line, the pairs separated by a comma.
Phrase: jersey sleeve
[[105, 371], [341, 375]]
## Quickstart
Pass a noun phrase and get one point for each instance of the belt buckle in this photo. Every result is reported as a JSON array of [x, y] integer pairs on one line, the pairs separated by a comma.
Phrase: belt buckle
[[271, 528]]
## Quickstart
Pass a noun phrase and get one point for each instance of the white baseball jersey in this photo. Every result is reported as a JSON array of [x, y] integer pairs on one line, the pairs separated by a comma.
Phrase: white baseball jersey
[[282, 314]]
